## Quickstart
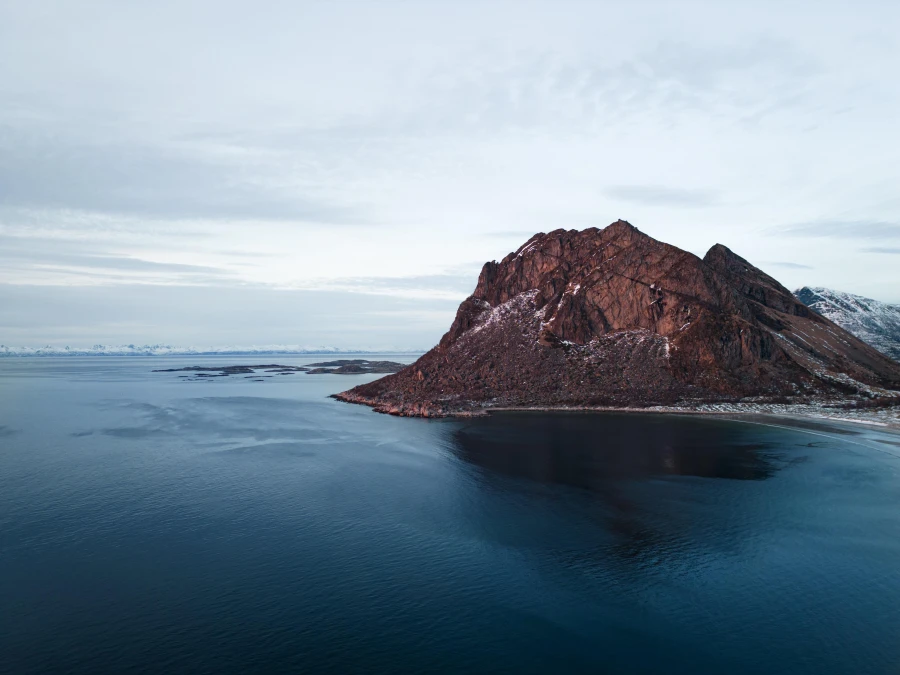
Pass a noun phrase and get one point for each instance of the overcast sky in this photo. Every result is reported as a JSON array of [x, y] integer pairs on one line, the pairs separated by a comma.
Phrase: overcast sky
[[335, 173]]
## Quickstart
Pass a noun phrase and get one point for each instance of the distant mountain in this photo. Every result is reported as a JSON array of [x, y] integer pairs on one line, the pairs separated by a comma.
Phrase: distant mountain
[[613, 317], [168, 350], [874, 322]]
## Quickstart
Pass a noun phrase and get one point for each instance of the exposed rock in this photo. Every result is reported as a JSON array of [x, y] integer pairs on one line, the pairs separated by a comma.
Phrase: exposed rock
[[340, 367], [355, 367], [223, 371], [613, 317]]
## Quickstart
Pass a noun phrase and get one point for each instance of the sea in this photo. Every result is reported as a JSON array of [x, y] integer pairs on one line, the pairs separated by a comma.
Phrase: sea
[[151, 523]]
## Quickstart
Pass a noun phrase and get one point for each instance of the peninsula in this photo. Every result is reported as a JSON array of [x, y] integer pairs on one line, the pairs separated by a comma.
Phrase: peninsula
[[614, 318]]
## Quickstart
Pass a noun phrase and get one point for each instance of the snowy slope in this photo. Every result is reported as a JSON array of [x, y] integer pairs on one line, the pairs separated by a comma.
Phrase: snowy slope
[[870, 320]]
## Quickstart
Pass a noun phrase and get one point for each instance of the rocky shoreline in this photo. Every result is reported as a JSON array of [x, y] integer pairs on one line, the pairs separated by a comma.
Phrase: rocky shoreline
[[886, 418]]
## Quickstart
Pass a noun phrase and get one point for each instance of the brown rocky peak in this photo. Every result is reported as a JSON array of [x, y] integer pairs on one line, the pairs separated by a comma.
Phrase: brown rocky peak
[[553, 253], [621, 228], [752, 282], [614, 317]]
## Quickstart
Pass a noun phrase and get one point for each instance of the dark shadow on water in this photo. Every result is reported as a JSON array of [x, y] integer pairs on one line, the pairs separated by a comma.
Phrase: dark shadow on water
[[610, 460], [592, 451]]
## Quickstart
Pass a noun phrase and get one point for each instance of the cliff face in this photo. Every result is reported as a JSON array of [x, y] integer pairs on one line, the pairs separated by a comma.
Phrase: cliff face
[[615, 317]]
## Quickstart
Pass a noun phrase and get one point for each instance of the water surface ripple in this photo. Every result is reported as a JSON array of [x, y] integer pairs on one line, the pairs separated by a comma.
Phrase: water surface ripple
[[149, 524]]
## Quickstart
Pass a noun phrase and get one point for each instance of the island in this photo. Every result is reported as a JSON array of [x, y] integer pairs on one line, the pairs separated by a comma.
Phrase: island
[[262, 372]]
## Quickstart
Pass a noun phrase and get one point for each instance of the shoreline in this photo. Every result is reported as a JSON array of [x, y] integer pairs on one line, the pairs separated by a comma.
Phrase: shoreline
[[881, 419], [869, 420]]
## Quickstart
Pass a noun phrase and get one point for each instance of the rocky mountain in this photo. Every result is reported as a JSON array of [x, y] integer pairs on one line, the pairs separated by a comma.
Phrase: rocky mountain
[[613, 317], [874, 322]]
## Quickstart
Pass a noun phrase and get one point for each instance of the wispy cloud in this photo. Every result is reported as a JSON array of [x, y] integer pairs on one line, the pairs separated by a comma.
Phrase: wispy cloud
[[454, 285], [790, 265], [888, 250], [301, 168], [204, 315], [27, 259], [660, 195], [109, 262], [749, 80], [516, 235], [166, 180], [840, 229]]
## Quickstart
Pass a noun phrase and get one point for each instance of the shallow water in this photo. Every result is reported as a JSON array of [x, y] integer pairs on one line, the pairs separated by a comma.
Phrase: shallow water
[[148, 524]]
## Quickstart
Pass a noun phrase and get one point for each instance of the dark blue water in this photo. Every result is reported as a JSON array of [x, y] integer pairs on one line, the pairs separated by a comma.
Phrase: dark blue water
[[149, 524]]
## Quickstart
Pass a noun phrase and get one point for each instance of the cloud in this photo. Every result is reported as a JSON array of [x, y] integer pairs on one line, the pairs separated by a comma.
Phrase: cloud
[[749, 80], [523, 235], [245, 158], [450, 286], [74, 228], [790, 265], [245, 254], [840, 229], [658, 195], [166, 180], [23, 259], [110, 262], [888, 250], [185, 315]]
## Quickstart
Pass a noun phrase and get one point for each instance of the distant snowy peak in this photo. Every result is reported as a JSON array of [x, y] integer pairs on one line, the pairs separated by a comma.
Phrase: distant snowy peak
[[875, 322], [168, 350]]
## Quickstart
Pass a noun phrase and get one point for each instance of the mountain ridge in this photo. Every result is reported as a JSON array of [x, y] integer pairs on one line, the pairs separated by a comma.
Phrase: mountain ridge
[[872, 321]]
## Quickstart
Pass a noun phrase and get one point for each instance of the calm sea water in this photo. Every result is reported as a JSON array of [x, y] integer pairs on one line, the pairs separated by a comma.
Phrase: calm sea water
[[149, 524]]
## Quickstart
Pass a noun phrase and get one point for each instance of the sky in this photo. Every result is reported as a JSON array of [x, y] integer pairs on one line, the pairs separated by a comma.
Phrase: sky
[[335, 173]]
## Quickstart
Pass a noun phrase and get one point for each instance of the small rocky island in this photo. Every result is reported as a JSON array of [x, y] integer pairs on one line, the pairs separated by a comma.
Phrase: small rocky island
[[260, 373], [612, 318], [355, 367]]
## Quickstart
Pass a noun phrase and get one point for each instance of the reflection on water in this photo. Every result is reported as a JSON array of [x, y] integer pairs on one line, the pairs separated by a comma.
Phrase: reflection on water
[[595, 451], [609, 459]]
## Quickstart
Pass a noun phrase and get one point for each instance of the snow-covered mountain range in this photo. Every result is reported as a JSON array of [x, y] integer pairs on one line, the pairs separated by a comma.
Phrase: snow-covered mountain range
[[168, 350], [874, 322]]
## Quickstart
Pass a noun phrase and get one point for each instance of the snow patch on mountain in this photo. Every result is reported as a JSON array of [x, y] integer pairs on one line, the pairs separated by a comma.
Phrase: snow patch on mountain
[[874, 322]]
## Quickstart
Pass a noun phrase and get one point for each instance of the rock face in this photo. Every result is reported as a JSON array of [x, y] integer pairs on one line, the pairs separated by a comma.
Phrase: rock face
[[874, 322], [613, 317]]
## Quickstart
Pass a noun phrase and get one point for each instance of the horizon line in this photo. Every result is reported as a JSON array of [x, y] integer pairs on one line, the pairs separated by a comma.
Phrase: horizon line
[[169, 350]]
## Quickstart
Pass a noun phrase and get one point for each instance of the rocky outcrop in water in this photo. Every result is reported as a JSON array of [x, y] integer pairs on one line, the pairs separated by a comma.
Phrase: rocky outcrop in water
[[261, 372], [613, 317]]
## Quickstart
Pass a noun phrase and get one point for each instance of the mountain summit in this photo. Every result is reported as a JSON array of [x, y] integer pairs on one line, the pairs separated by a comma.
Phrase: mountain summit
[[613, 317]]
